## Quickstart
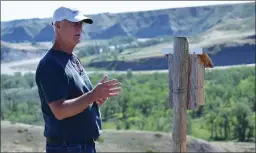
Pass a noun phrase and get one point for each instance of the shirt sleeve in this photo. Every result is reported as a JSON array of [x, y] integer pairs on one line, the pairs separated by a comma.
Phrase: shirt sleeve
[[53, 82]]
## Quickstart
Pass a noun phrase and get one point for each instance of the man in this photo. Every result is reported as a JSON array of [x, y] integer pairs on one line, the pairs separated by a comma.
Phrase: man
[[69, 102]]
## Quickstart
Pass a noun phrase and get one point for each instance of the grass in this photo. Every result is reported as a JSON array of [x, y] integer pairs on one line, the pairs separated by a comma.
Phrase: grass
[[145, 52], [158, 135], [149, 150], [109, 125], [100, 139], [131, 54], [198, 131], [32, 140]]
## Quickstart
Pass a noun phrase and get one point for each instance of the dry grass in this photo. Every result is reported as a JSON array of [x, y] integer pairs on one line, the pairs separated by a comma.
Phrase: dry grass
[[137, 53], [22, 137]]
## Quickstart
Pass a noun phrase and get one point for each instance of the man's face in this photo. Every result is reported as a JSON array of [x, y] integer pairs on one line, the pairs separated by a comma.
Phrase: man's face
[[70, 32]]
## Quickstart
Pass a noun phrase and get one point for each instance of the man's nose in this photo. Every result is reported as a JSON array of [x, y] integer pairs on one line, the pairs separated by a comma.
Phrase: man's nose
[[79, 27]]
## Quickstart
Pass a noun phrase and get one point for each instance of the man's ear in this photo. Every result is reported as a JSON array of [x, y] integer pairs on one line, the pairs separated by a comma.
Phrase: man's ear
[[57, 25]]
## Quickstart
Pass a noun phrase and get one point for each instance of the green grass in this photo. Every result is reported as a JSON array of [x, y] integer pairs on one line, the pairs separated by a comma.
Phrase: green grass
[[198, 131], [100, 139], [109, 125]]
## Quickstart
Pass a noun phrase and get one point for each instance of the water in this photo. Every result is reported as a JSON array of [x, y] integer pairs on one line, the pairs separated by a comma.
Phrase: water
[[7, 68]]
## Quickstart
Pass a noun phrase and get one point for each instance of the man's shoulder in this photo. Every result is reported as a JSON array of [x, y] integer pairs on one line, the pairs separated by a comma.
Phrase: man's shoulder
[[49, 62]]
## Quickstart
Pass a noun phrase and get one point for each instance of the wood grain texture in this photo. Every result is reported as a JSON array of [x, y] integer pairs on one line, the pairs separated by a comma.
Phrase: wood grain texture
[[193, 82], [201, 70], [196, 83], [170, 68], [179, 78]]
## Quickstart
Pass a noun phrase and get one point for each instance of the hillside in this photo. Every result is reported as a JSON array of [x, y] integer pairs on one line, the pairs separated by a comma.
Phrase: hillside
[[189, 21], [224, 48], [232, 48], [226, 31], [22, 137]]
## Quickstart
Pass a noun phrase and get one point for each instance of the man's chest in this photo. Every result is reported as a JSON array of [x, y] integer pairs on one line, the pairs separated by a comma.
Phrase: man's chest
[[79, 82]]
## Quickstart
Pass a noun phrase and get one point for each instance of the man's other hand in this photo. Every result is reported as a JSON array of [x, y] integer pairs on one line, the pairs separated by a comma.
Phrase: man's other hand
[[106, 88]]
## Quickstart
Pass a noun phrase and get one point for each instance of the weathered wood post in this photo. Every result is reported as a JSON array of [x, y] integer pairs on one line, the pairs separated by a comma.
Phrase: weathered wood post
[[186, 80], [178, 64]]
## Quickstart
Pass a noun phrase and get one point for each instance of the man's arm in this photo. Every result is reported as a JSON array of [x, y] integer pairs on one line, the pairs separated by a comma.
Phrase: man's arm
[[67, 108]]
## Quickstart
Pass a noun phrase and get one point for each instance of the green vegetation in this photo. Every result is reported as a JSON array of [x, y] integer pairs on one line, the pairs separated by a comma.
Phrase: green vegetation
[[228, 113]]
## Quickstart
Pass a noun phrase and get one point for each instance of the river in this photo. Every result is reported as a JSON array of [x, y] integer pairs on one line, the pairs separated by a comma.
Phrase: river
[[7, 68]]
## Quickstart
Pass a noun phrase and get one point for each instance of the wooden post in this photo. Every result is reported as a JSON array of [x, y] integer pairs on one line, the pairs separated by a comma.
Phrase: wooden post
[[186, 86], [178, 84]]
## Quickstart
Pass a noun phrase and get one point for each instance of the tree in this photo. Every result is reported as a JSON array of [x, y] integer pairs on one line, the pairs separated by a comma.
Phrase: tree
[[129, 74], [242, 113], [225, 114], [246, 88]]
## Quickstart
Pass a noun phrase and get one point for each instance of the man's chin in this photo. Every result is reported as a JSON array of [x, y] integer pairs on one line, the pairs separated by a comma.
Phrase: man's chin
[[77, 41]]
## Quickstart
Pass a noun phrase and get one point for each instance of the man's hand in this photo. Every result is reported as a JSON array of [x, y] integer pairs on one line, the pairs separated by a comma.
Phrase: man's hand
[[101, 101], [106, 88]]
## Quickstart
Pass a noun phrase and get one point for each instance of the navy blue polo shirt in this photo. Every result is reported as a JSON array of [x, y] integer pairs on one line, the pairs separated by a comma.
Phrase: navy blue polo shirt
[[60, 75]]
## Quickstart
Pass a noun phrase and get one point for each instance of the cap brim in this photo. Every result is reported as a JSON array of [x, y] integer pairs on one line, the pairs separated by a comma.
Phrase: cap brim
[[89, 21], [83, 18]]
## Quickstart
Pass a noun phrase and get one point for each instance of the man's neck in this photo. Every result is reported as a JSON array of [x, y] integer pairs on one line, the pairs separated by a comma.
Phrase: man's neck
[[62, 47]]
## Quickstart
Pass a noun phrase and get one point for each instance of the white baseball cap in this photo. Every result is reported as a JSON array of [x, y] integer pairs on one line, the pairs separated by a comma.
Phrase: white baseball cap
[[69, 14]]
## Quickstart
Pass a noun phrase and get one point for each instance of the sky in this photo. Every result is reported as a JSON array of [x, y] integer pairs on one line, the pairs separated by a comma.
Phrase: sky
[[12, 10]]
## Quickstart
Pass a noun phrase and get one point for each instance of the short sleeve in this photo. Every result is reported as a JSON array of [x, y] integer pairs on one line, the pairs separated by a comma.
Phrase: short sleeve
[[53, 82]]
